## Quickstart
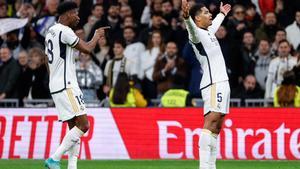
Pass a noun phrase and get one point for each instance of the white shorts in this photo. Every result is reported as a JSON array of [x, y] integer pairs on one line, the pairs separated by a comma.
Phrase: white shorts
[[216, 98], [69, 103]]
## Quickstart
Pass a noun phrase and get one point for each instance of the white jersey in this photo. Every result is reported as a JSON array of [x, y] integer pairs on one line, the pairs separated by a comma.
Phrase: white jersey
[[60, 41], [208, 51]]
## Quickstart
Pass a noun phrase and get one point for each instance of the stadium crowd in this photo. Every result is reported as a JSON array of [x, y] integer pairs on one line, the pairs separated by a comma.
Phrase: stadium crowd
[[148, 42]]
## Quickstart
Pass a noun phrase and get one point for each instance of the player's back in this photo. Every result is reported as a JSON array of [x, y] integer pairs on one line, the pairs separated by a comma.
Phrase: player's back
[[59, 42]]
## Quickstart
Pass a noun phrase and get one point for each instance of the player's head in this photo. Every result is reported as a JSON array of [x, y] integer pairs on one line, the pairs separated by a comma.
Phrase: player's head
[[69, 11], [201, 15]]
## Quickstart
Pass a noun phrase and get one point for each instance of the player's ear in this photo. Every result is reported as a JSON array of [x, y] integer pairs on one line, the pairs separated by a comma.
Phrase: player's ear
[[197, 17]]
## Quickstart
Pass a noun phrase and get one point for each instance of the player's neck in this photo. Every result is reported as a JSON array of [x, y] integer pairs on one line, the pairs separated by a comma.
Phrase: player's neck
[[63, 21], [200, 25]]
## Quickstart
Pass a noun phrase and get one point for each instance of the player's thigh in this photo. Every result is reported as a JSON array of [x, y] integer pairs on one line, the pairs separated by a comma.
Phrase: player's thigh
[[69, 104], [216, 98]]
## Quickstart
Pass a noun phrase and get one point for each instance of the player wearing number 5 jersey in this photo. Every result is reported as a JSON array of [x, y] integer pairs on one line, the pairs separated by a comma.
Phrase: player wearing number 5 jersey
[[214, 84], [60, 43]]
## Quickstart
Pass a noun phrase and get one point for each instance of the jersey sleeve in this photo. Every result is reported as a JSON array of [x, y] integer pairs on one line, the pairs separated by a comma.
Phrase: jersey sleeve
[[69, 37], [216, 23], [192, 30]]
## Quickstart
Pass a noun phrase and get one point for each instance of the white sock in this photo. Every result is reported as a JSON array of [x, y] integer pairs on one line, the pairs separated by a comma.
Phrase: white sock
[[204, 149], [213, 153], [73, 156], [71, 138]]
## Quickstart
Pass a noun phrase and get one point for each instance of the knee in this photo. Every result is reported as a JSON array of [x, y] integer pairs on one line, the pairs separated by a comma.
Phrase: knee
[[84, 127]]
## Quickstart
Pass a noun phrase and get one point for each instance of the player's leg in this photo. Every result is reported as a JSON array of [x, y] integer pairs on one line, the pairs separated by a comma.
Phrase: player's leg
[[72, 137], [208, 140], [216, 105], [213, 123], [73, 153]]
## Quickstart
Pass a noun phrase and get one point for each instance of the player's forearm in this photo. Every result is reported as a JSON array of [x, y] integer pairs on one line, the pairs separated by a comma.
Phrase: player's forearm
[[216, 23], [92, 44], [192, 28]]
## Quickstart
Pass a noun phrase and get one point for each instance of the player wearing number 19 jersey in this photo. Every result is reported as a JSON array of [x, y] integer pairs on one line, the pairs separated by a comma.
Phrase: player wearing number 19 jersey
[[60, 42]]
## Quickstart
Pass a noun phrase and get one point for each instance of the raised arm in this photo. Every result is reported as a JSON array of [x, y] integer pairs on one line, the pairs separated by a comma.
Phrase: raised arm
[[190, 24], [88, 47], [224, 10]]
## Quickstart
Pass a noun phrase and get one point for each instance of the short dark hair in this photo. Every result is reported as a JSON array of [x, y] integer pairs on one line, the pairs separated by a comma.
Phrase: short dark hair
[[167, 1], [97, 4], [281, 30], [129, 27], [121, 42], [156, 14], [195, 10], [66, 6], [284, 41]]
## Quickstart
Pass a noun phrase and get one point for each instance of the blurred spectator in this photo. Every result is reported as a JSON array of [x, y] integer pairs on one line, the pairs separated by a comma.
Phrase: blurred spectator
[[89, 76], [279, 36], [103, 53], [123, 94], [156, 24], [133, 49], [176, 98], [13, 43], [38, 75], [125, 10], [293, 31], [46, 20], [9, 73], [263, 56], [24, 79], [237, 25], [155, 47], [296, 70], [283, 62], [117, 65], [97, 14], [288, 93], [247, 90], [265, 6], [169, 70], [231, 61], [168, 13], [129, 22], [268, 28], [248, 54], [3, 9], [113, 20], [252, 16], [153, 6]]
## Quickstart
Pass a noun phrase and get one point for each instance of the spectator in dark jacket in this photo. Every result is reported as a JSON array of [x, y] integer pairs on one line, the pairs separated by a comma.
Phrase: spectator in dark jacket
[[247, 90], [247, 54], [9, 73], [169, 70], [38, 75], [268, 28]]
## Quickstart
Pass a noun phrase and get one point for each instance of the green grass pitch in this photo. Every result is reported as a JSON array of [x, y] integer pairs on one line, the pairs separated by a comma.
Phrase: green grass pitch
[[152, 164]]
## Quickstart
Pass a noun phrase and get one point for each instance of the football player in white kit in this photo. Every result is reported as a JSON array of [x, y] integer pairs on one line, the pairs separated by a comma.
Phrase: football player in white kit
[[214, 83], [60, 42]]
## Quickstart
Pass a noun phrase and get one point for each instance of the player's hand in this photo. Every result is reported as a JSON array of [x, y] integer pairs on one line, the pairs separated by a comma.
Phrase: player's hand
[[100, 32], [185, 8], [225, 9]]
